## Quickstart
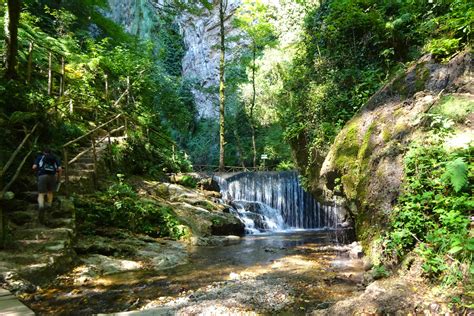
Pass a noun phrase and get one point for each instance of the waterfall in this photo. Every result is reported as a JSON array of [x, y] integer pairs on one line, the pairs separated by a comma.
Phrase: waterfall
[[274, 201]]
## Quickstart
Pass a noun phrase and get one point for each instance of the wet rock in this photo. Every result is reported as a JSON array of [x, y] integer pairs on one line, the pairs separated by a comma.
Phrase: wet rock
[[212, 194], [368, 265], [209, 184], [356, 251], [215, 240], [107, 265]]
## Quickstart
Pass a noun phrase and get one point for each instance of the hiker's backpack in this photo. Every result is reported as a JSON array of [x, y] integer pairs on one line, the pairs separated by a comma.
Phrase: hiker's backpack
[[48, 164]]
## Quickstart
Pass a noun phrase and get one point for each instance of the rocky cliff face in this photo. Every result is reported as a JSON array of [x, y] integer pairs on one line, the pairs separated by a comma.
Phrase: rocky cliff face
[[200, 31], [201, 60], [363, 170], [138, 17]]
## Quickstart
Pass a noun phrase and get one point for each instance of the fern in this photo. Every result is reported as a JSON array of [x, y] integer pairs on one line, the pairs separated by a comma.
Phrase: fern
[[456, 173]]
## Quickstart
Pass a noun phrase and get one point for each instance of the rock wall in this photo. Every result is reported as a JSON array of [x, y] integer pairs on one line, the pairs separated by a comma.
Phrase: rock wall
[[363, 170], [138, 17], [201, 60], [200, 30]]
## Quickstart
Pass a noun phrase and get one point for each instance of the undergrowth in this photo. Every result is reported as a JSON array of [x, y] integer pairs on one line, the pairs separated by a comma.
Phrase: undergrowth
[[120, 206], [432, 216]]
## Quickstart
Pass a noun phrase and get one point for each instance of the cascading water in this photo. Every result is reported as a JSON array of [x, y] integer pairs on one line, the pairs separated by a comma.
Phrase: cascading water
[[274, 201]]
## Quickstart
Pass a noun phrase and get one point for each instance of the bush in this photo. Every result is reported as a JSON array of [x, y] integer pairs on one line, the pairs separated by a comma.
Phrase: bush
[[120, 206], [432, 214]]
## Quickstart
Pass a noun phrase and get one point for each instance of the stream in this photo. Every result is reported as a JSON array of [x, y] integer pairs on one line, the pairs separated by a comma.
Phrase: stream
[[289, 262], [285, 273]]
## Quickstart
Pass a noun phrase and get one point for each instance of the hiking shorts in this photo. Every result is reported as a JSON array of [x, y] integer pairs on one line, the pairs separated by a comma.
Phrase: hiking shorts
[[46, 183]]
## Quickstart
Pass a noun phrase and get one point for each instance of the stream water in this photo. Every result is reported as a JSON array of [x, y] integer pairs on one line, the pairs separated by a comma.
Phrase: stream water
[[269, 273], [290, 262]]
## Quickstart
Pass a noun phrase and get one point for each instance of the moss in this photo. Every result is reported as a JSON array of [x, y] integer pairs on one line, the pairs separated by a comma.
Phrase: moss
[[352, 160], [400, 128], [386, 135], [347, 147], [421, 76], [454, 107], [399, 86], [365, 148]]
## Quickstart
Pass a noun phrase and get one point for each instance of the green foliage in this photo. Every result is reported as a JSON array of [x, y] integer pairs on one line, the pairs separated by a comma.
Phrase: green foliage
[[188, 181], [120, 206], [349, 50], [285, 166], [443, 46], [95, 56], [455, 108], [431, 217], [379, 272], [456, 173]]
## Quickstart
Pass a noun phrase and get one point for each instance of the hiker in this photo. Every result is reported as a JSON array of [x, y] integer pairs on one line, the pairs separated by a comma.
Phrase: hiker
[[48, 170]]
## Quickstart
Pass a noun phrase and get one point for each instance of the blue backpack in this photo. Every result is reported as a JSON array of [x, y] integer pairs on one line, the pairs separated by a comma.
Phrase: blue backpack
[[48, 164]]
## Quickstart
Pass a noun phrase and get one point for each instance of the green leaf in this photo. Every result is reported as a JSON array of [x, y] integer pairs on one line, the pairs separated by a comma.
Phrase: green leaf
[[20, 117], [456, 173], [455, 249]]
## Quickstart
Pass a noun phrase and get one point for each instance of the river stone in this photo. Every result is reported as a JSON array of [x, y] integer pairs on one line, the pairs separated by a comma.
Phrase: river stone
[[215, 240], [379, 298], [104, 265]]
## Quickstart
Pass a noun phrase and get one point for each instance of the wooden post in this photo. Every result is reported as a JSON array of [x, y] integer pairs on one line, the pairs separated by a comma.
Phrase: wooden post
[[128, 90], [71, 106], [106, 77], [95, 160], [63, 77], [126, 126], [66, 171], [50, 74], [30, 63], [109, 145]]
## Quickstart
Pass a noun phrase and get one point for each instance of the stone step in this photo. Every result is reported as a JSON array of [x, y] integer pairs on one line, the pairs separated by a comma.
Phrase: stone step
[[81, 172], [22, 217], [43, 233], [84, 160], [82, 165], [38, 246], [60, 222]]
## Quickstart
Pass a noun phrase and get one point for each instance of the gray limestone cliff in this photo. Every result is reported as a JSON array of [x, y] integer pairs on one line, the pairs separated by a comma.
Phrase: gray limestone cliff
[[200, 32]]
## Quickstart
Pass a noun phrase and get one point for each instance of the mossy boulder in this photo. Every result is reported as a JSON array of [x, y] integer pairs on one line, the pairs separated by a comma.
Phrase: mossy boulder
[[363, 170]]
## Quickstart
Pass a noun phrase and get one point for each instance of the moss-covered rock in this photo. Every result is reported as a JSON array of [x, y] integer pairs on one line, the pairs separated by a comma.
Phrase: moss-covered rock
[[367, 155]]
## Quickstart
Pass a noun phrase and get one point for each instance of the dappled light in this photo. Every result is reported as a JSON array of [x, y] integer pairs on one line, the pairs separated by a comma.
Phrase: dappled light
[[236, 157]]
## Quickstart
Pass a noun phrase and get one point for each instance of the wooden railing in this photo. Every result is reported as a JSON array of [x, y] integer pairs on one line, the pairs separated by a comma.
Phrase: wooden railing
[[215, 168], [92, 134]]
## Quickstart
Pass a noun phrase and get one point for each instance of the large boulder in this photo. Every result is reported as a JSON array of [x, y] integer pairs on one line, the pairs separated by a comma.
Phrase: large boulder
[[363, 170]]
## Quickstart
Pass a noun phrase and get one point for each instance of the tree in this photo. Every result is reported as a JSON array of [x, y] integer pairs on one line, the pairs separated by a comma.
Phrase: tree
[[12, 18], [252, 18], [222, 11]]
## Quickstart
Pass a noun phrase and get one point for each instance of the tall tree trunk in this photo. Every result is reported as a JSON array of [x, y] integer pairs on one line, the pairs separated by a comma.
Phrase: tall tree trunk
[[222, 9], [12, 18], [252, 106]]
